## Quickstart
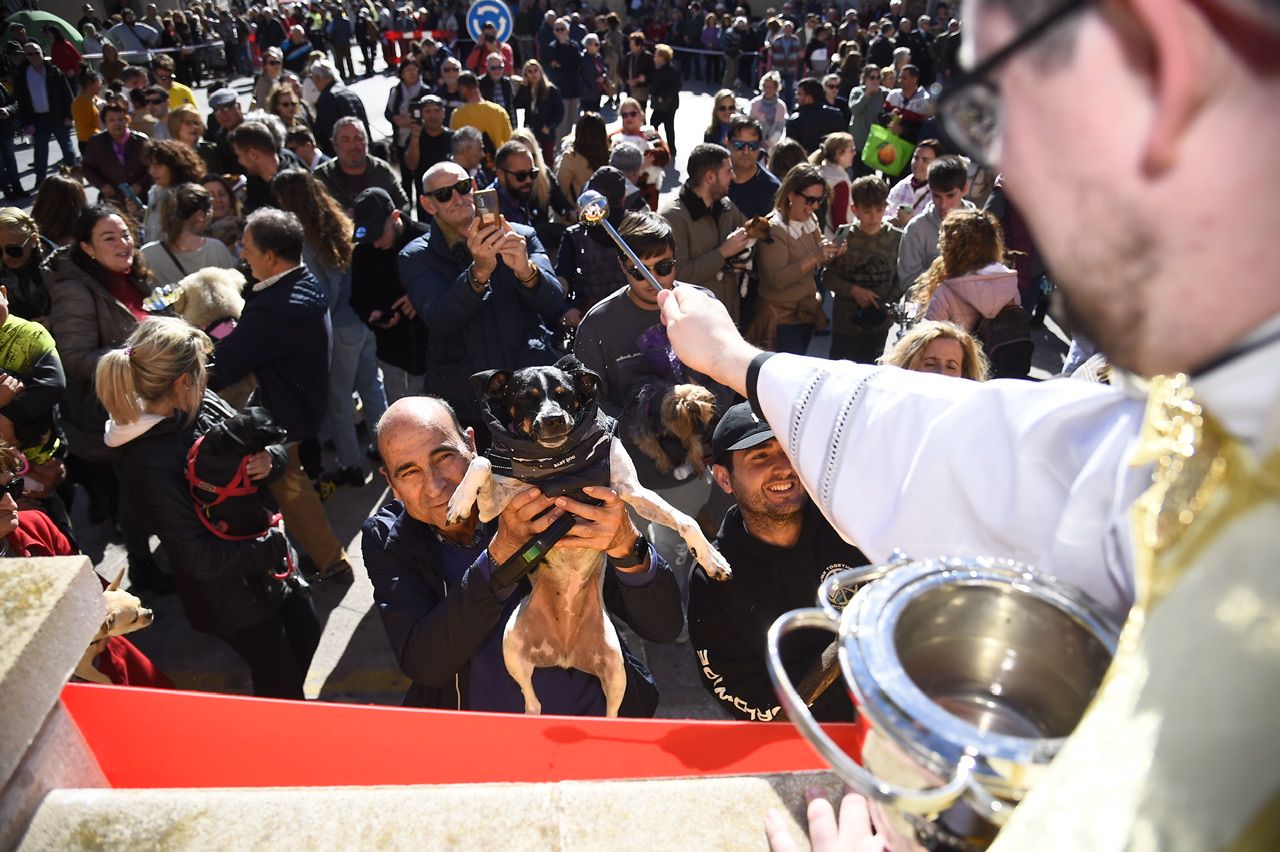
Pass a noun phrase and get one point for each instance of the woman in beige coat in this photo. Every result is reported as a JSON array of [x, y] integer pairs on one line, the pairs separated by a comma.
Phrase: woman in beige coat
[[790, 304]]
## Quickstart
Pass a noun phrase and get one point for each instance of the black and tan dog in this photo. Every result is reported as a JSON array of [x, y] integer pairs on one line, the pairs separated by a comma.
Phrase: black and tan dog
[[548, 431]]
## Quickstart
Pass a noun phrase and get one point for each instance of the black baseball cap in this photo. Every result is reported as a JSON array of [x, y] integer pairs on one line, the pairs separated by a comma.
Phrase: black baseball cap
[[372, 208], [738, 429]]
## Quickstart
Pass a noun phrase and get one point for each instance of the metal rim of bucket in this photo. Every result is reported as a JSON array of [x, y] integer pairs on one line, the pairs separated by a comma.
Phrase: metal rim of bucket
[[900, 709]]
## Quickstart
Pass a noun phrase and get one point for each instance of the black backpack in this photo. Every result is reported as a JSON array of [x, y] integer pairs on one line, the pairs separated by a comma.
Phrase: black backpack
[[1006, 339]]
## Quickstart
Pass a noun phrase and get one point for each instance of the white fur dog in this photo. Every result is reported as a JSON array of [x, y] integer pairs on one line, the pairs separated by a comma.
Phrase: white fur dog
[[563, 621]]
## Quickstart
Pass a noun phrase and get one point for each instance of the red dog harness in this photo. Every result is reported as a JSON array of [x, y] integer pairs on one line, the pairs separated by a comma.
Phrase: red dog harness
[[239, 486]]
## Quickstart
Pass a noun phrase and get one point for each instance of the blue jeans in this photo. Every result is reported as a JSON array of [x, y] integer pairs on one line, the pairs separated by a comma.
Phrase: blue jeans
[[40, 142], [354, 368], [795, 337]]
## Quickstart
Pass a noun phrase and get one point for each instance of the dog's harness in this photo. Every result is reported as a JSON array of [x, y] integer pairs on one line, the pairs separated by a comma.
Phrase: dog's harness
[[583, 458], [239, 486]]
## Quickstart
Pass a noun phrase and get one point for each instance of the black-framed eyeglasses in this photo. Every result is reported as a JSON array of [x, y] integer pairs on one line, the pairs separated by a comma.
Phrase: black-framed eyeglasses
[[662, 267], [744, 145], [969, 106], [444, 193], [524, 174], [14, 488]]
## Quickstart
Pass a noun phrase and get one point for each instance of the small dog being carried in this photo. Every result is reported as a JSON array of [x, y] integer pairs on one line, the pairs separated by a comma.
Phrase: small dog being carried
[[225, 499], [548, 431]]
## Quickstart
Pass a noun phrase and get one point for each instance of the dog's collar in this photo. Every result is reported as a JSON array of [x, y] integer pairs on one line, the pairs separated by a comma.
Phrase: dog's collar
[[527, 460], [220, 328]]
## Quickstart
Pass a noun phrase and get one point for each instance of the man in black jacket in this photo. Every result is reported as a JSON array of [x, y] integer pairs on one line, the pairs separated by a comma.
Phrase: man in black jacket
[[814, 118], [781, 549], [432, 580], [261, 160], [284, 340], [44, 103], [334, 102]]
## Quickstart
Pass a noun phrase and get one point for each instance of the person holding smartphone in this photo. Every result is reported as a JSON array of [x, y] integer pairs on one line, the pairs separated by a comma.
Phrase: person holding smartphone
[[485, 288]]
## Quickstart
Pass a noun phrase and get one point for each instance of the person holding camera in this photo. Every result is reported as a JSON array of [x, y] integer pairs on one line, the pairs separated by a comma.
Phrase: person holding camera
[[865, 278], [484, 286]]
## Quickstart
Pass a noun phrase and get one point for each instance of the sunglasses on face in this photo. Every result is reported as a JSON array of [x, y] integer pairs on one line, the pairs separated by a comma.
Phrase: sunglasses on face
[[662, 267], [724, 108], [831, 86], [812, 200], [744, 145], [287, 103], [498, 68], [524, 175], [444, 193], [14, 488], [16, 251], [630, 114]]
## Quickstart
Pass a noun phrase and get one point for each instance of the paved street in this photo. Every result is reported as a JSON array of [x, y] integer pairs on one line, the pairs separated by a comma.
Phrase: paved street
[[354, 662]]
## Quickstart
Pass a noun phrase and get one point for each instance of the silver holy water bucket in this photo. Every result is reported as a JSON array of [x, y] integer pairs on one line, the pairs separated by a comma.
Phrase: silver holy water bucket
[[969, 674]]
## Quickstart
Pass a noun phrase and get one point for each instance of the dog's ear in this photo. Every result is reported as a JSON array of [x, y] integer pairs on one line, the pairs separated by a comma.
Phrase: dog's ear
[[115, 584], [108, 623], [490, 384], [585, 382]]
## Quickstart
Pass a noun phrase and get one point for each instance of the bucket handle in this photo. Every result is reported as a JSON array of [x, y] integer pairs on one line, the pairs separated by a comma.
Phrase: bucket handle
[[927, 801]]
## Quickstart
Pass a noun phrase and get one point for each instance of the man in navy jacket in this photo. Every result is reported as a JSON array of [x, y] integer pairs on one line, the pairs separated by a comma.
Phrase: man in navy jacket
[[432, 580], [284, 338], [487, 293]]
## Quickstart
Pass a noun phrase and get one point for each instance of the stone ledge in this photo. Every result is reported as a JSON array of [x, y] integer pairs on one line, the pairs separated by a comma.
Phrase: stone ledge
[[684, 813], [50, 609]]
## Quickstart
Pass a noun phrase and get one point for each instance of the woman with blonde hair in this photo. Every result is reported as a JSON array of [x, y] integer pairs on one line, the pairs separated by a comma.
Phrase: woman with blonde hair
[[834, 158], [153, 388], [182, 247], [187, 126], [723, 107], [543, 107], [769, 109], [326, 251], [790, 307], [939, 347]]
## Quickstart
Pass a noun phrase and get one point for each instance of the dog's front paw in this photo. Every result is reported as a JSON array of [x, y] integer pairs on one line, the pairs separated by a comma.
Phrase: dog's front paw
[[716, 566], [459, 507]]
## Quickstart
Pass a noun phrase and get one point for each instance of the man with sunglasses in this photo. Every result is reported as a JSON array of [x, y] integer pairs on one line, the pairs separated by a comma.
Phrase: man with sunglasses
[[1160, 499], [514, 183], [814, 118], [753, 187], [486, 291], [622, 340], [153, 121]]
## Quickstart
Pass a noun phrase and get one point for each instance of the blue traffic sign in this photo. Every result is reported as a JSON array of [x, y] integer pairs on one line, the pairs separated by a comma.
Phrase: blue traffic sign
[[489, 12]]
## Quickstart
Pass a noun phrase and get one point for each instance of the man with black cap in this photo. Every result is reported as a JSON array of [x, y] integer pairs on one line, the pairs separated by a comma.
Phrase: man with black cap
[[587, 263], [781, 549], [378, 296]]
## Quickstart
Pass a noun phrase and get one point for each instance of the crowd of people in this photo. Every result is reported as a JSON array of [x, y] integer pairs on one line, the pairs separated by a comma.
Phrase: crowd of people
[[375, 290]]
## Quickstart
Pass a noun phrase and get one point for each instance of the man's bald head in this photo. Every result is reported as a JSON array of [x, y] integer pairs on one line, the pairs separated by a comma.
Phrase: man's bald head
[[415, 412]]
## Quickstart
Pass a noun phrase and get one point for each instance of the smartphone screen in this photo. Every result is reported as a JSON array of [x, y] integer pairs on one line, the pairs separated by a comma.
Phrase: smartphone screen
[[487, 205]]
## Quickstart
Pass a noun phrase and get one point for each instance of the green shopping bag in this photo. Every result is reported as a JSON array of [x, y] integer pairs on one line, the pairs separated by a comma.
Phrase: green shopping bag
[[886, 152]]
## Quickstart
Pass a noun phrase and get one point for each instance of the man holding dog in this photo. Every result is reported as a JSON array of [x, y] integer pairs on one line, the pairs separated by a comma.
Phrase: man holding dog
[[1159, 498], [781, 549], [486, 291], [432, 580]]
